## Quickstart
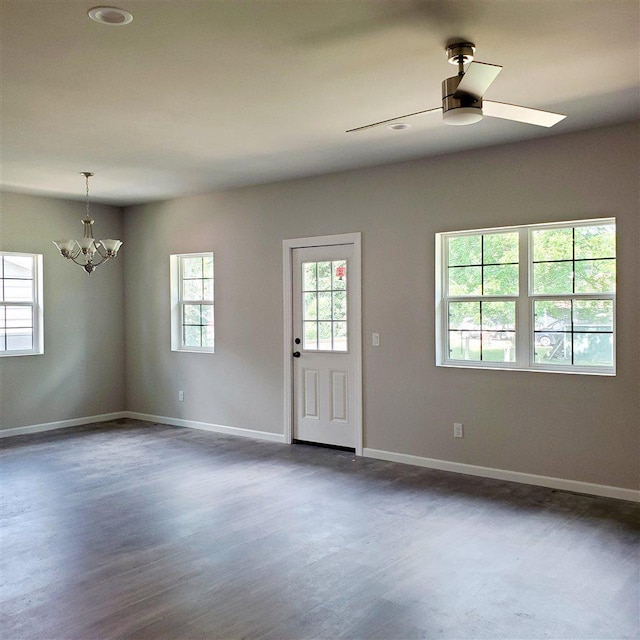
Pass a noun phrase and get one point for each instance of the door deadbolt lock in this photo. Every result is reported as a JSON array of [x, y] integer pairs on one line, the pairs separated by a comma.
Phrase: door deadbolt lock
[[297, 340]]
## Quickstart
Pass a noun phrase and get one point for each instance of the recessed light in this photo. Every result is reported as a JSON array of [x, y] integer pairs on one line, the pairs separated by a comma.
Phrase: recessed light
[[399, 126], [110, 15]]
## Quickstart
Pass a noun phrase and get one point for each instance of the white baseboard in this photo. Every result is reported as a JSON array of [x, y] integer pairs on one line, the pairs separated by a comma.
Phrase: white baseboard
[[50, 426], [207, 426], [511, 476], [564, 484]]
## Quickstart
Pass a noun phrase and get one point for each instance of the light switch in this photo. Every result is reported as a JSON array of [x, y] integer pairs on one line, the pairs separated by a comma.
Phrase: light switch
[[375, 339]]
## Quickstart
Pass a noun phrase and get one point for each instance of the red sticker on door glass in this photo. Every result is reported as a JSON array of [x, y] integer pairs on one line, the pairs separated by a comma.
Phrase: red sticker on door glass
[[340, 272]]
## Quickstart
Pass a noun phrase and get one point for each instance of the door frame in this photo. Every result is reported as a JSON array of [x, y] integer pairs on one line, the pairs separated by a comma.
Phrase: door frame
[[355, 340]]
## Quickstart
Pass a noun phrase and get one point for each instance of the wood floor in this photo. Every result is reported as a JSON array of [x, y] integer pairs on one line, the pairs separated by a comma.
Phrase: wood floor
[[132, 530]]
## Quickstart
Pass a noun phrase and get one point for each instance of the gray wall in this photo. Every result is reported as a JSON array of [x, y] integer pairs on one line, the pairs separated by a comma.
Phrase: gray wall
[[583, 428], [81, 372], [579, 427]]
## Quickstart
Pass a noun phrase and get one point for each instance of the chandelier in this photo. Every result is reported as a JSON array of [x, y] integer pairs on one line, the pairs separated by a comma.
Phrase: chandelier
[[85, 251]]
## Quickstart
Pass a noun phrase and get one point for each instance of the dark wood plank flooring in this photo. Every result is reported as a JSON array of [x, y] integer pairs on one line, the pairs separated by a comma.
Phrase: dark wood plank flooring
[[132, 530]]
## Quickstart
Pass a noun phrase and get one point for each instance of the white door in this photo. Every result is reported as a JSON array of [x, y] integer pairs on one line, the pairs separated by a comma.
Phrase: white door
[[325, 331]]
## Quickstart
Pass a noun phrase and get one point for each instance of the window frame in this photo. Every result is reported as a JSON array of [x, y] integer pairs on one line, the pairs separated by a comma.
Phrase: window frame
[[36, 305], [178, 302], [525, 343]]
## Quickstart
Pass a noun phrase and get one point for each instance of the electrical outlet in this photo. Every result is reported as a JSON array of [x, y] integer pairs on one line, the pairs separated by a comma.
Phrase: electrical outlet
[[458, 430], [181, 396]]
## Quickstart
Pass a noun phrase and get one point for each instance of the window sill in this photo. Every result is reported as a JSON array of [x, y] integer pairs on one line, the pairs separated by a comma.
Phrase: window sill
[[584, 372]]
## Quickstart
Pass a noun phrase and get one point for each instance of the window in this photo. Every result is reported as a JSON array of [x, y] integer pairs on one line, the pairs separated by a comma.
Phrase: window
[[192, 327], [324, 307], [536, 297], [21, 331]]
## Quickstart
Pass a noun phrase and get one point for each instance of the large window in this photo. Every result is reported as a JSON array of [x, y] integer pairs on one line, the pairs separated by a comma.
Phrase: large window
[[192, 326], [21, 331], [536, 297]]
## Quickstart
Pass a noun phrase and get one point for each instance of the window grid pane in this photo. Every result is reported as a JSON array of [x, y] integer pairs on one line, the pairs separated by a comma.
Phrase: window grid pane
[[482, 331], [482, 265], [574, 260], [324, 305], [574, 332]]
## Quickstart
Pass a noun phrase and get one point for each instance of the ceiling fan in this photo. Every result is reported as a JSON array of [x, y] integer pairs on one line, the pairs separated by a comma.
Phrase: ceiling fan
[[463, 95]]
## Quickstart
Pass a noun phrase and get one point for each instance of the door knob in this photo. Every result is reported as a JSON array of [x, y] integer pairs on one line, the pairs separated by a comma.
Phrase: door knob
[[296, 354]]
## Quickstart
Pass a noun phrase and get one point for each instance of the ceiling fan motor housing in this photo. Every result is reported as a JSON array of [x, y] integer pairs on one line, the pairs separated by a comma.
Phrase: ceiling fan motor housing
[[465, 109]]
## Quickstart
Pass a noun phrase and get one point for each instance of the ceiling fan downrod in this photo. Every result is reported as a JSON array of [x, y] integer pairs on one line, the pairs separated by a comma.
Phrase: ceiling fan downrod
[[461, 53]]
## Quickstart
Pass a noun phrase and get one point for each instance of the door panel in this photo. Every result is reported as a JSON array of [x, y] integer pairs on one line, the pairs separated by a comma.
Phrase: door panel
[[339, 397], [310, 393], [322, 295]]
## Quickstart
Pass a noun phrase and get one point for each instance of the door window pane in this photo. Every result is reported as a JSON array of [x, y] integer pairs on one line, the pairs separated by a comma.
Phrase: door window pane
[[310, 311], [324, 276], [310, 336], [324, 305], [324, 336], [339, 275], [339, 336], [309, 280], [339, 305]]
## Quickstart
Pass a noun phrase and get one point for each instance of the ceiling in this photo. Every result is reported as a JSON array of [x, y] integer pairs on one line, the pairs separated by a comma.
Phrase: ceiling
[[197, 95]]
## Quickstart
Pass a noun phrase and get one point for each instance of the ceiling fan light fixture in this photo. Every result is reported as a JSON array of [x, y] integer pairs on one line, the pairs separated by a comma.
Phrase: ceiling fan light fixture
[[462, 116]]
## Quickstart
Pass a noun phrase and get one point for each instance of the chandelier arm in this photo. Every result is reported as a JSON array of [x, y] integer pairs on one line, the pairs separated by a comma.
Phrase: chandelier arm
[[94, 264], [104, 256]]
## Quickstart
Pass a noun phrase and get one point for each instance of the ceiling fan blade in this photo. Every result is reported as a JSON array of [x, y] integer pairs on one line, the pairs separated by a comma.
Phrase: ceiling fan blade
[[408, 115], [520, 114], [477, 79]]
